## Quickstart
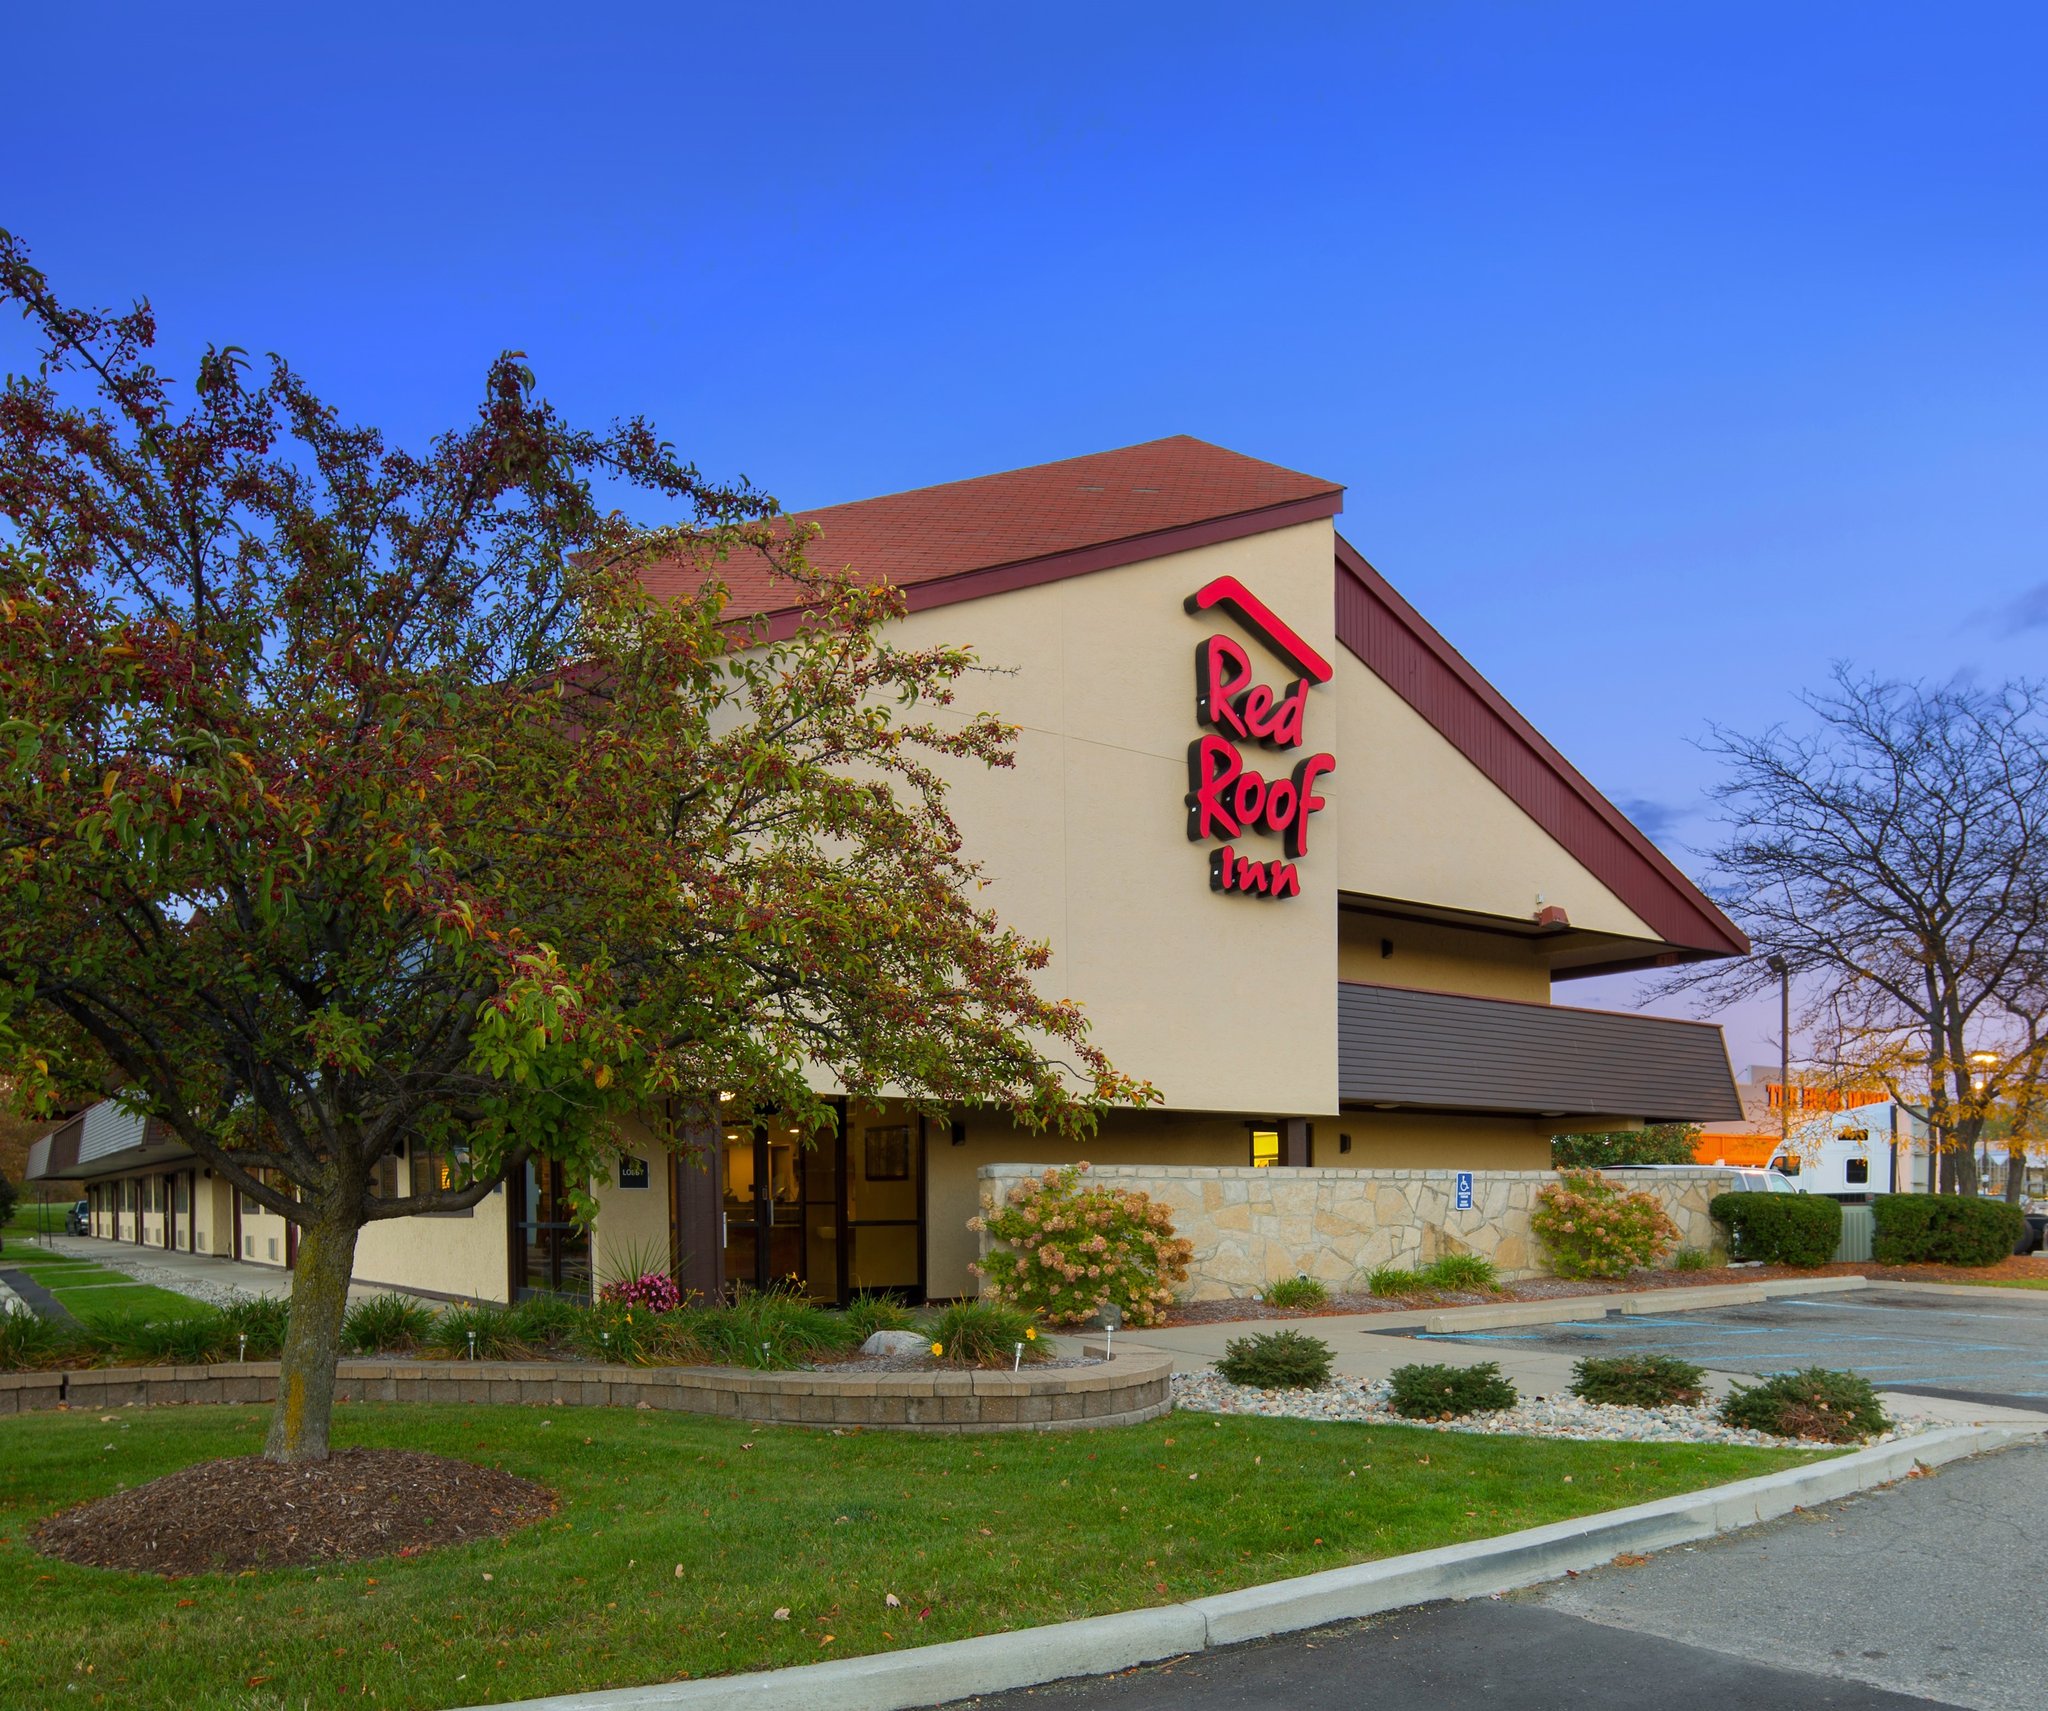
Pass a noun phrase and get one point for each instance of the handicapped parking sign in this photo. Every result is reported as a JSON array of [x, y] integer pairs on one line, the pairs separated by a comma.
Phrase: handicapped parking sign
[[1464, 1191]]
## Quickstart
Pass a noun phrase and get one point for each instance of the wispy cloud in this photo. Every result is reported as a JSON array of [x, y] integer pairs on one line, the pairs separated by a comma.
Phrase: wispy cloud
[[1657, 820], [2027, 611]]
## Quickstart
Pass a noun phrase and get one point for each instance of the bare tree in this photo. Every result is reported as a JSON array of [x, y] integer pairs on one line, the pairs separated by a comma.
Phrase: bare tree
[[1895, 854]]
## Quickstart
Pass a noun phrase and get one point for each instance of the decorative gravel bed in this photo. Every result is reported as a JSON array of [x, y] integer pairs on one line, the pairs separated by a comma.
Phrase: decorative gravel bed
[[1365, 1399]]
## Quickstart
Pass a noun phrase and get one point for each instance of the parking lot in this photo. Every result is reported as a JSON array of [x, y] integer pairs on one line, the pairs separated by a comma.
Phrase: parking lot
[[1994, 1348]]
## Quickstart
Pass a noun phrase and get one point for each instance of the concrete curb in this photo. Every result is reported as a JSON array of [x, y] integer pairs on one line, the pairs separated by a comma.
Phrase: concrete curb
[[2036, 1298], [1100, 1645]]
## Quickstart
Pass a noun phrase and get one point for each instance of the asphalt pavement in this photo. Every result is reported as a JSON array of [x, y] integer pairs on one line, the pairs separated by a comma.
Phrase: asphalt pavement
[[1929, 1592], [1990, 1344]]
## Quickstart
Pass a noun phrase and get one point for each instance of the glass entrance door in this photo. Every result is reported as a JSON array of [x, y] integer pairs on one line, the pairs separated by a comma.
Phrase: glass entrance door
[[550, 1253], [778, 1194]]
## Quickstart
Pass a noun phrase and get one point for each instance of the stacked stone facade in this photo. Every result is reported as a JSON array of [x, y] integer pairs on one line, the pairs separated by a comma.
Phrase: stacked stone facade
[[1251, 1227]]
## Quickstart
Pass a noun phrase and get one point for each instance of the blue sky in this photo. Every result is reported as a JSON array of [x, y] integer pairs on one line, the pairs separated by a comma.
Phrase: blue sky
[[1668, 353]]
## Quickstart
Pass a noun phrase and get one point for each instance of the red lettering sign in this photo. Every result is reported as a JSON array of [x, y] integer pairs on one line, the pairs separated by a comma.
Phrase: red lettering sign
[[1227, 799]]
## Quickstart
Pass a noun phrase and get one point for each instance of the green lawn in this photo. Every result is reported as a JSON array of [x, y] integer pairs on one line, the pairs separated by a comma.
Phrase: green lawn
[[679, 1538], [87, 1289]]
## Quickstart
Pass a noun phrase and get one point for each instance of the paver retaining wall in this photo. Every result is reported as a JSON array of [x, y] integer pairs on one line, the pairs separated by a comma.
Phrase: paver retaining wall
[[1253, 1226], [1114, 1393]]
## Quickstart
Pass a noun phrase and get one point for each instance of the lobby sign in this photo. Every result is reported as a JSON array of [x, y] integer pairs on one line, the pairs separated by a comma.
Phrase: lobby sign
[[1226, 798]]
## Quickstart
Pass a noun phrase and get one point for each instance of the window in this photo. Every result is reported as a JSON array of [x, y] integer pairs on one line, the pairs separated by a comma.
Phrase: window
[[433, 1171], [1859, 1170], [384, 1181], [1265, 1148]]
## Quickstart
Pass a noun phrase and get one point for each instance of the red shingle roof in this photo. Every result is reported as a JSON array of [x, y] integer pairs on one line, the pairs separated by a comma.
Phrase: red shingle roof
[[1108, 508]]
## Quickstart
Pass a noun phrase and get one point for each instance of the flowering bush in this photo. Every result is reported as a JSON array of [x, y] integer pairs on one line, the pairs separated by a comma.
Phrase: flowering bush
[[1594, 1227], [1073, 1250], [655, 1291]]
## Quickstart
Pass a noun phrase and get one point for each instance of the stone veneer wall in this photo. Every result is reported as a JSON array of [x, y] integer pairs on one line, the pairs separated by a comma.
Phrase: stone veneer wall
[[1251, 1226]]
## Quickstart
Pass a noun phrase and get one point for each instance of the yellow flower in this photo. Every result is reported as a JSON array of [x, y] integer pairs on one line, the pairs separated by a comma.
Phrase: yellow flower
[[938, 1350], [1030, 1335]]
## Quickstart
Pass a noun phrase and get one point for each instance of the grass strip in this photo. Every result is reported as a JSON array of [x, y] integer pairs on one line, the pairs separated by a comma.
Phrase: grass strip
[[679, 1539]]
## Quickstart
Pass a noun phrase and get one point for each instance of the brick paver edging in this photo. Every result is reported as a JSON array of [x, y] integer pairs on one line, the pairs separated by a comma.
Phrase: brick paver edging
[[1133, 1387]]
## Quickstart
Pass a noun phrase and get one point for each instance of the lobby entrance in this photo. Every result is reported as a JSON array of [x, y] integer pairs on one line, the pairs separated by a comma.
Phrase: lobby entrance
[[828, 1214]]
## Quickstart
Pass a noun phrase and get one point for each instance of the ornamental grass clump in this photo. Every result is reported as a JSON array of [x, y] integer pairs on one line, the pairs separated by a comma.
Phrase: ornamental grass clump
[[475, 1331], [1395, 1280], [1425, 1392], [868, 1313], [28, 1342], [262, 1320], [1592, 1226], [1071, 1250], [386, 1324], [1638, 1381], [1827, 1407], [1277, 1360], [1462, 1271], [1301, 1291], [984, 1333]]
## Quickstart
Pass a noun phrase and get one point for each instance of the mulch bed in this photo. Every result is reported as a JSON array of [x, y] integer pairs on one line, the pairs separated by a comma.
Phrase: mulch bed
[[1558, 1288], [246, 1513]]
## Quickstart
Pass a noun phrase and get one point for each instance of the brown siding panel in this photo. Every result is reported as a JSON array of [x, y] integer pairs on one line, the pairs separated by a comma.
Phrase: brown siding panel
[[1440, 1051]]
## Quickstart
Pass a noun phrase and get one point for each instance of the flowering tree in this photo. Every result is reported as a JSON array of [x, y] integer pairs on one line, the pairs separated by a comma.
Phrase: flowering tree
[[1070, 1251], [354, 798]]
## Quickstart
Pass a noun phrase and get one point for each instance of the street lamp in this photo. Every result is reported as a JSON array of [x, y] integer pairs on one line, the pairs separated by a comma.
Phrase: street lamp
[[1783, 970], [1981, 1065]]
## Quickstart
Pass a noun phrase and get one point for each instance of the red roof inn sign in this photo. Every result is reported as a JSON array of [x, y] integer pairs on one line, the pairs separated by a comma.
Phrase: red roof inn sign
[[1226, 798]]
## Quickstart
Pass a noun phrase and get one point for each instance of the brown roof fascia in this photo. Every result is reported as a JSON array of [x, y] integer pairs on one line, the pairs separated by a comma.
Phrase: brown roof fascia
[[1430, 675], [1103, 555]]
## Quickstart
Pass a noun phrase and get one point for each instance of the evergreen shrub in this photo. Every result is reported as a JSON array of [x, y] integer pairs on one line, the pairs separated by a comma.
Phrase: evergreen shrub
[[1944, 1229], [1779, 1229], [1277, 1360]]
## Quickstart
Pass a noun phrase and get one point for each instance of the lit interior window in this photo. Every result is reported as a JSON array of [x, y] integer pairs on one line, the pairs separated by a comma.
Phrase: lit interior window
[[1265, 1148]]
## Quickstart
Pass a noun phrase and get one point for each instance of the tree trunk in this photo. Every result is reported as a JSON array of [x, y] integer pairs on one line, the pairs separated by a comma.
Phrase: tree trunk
[[312, 1343]]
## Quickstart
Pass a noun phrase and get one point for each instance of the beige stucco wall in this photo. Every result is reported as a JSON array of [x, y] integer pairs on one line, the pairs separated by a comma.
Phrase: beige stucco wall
[[632, 1223], [1085, 839], [464, 1254], [1420, 822], [1435, 958], [1252, 1227]]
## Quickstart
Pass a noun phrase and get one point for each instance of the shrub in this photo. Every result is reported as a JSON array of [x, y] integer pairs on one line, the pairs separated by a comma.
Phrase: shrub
[[1594, 1227], [493, 1327], [1461, 1271], [1944, 1229], [1638, 1381], [1692, 1259], [1658, 1143], [1832, 1407], [1300, 1291], [1072, 1250], [1395, 1280], [1779, 1229], [984, 1333], [261, 1319], [866, 1314], [650, 1291], [1444, 1392], [385, 1322], [1277, 1360]]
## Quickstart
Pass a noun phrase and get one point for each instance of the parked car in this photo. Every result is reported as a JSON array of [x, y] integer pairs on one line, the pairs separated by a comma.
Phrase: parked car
[[1742, 1178], [78, 1221]]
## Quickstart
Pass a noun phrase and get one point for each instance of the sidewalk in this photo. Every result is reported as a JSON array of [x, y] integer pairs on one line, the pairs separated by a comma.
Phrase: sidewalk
[[205, 1277]]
